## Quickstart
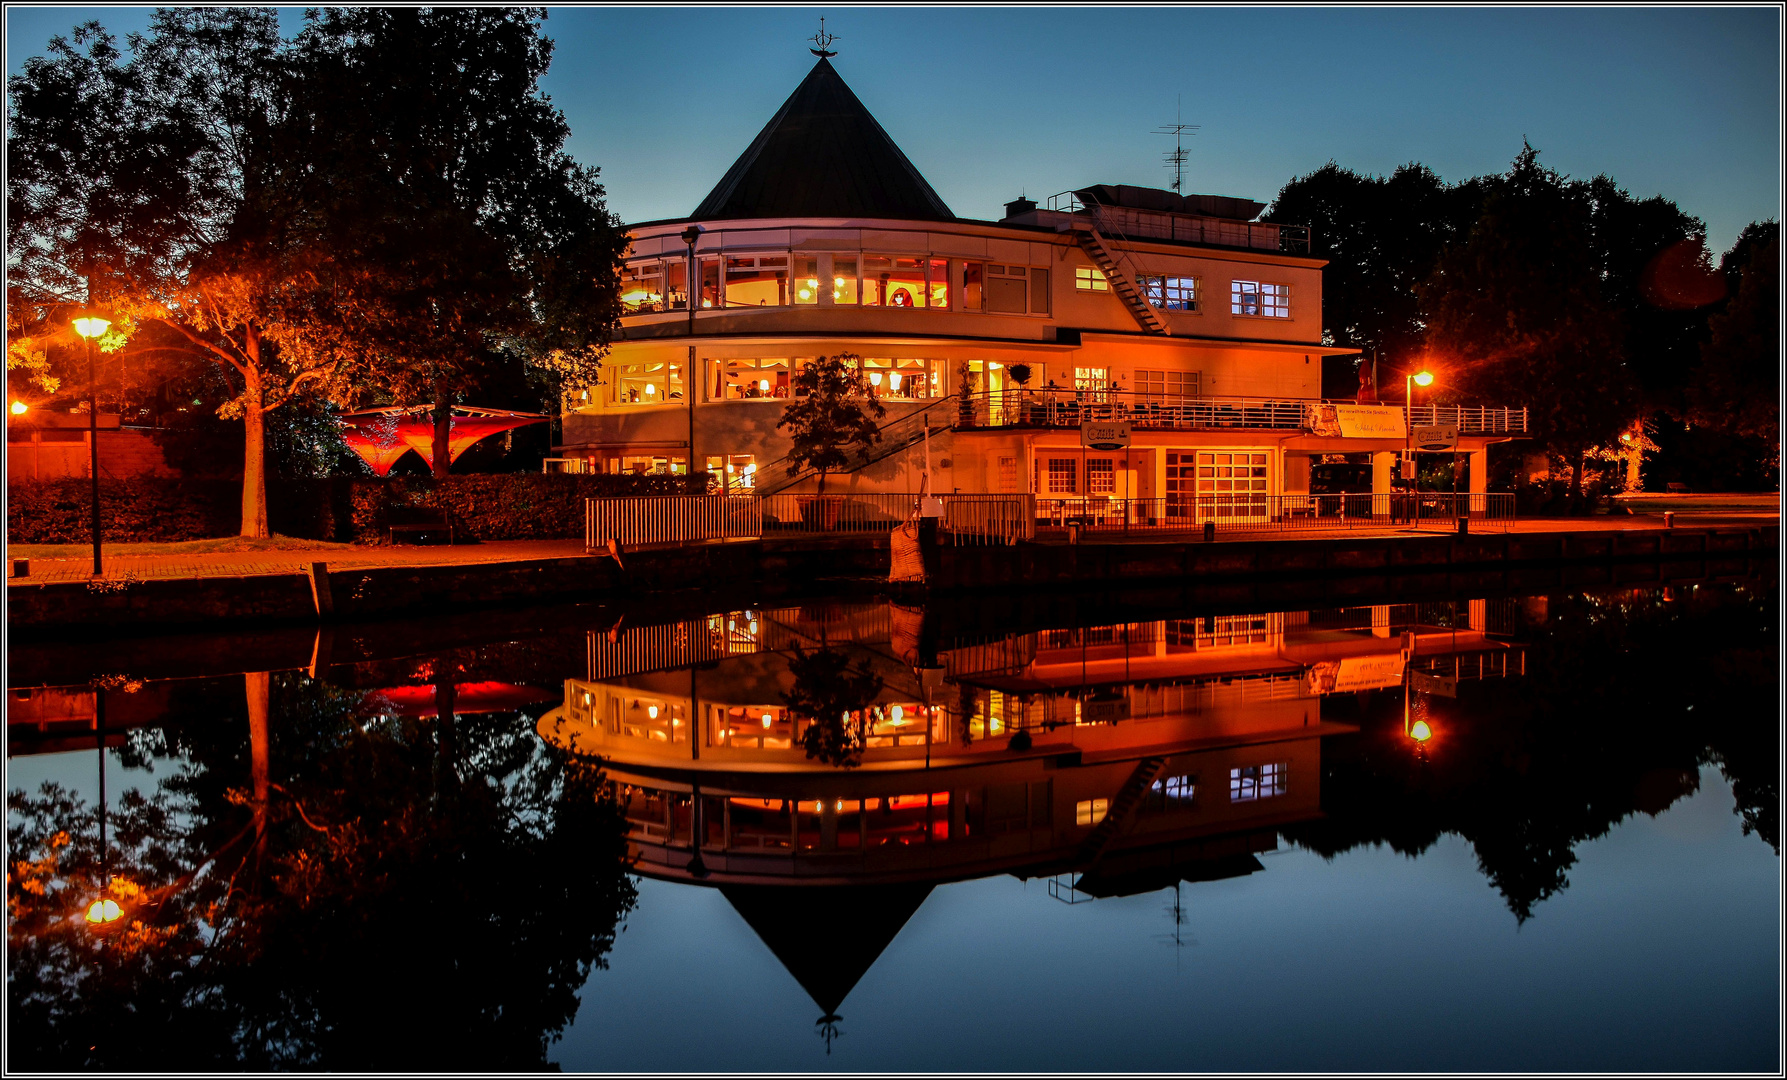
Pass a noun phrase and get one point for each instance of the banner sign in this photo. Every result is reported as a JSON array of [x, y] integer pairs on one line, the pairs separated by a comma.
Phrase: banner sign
[[1443, 685], [1357, 421], [1104, 435], [1104, 710], [1369, 672], [1437, 438]]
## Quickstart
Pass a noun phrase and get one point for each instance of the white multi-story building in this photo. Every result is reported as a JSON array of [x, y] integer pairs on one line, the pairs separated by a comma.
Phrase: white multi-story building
[[991, 341]]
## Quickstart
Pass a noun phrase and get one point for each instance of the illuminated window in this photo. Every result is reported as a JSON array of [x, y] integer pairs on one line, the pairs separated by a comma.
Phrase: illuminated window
[[806, 279], [1008, 474], [899, 378], [1090, 811], [1090, 279], [737, 472], [646, 384], [1260, 298], [1101, 476], [1171, 293], [756, 280], [642, 287], [1063, 476], [750, 378], [843, 279], [897, 281], [1252, 782], [1176, 788]]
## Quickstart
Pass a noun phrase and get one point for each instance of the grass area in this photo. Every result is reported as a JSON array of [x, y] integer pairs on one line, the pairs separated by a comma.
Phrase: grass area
[[187, 547]]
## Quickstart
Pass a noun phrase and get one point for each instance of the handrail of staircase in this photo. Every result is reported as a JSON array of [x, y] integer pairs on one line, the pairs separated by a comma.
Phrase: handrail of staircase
[[768, 483]]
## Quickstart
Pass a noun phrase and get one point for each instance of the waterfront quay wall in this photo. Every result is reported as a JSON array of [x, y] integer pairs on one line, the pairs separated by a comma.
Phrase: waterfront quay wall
[[783, 568]]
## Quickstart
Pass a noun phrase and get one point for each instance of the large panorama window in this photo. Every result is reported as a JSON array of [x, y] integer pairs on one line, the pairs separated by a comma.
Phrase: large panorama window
[[759, 378], [868, 279], [646, 384]]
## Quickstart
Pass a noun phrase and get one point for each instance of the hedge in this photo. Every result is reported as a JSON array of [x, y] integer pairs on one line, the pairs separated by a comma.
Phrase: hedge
[[494, 506]]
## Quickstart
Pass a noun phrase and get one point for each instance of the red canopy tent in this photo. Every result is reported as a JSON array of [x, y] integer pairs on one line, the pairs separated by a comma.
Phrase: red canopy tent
[[469, 697], [381, 436]]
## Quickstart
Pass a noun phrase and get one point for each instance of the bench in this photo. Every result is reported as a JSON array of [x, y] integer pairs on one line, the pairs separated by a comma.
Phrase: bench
[[419, 525]]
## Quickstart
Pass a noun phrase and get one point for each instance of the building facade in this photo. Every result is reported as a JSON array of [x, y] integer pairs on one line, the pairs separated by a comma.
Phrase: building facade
[[990, 344]]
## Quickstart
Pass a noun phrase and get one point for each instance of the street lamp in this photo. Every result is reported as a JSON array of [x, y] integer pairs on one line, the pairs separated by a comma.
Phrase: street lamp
[[90, 327], [19, 408], [1412, 379]]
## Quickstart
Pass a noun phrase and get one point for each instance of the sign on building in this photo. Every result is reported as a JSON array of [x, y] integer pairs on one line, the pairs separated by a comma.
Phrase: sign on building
[[1437, 438], [1443, 685], [1357, 421], [1104, 434]]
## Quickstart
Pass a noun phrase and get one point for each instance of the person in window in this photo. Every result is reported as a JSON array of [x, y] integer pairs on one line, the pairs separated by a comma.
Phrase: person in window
[[900, 298]]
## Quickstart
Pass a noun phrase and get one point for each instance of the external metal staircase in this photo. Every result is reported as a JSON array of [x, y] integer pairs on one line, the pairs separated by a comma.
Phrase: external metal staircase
[[1094, 245], [896, 435], [1122, 807]]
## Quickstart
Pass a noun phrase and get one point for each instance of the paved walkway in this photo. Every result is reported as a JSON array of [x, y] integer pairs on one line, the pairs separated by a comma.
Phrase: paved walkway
[[122, 565]]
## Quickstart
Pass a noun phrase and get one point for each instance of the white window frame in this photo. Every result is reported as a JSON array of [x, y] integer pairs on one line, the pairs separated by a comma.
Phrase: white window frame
[[1090, 279], [1168, 293], [1260, 299]]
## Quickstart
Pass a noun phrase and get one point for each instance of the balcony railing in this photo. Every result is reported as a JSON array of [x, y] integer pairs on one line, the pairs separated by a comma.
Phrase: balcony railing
[[1168, 412]]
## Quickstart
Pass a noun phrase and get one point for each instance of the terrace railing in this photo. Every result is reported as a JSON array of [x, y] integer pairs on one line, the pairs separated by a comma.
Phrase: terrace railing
[[1247, 512], [670, 519], [1069, 408]]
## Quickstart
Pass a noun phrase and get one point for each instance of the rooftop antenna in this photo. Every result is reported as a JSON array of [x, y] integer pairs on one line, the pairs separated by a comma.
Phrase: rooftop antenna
[[823, 40], [1175, 158]]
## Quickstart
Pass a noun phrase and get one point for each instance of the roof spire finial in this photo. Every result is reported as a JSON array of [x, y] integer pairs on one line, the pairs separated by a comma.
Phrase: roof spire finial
[[823, 40]]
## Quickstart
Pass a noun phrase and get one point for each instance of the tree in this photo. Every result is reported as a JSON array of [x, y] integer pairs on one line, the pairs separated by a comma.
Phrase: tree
[[128, 186], [474, 236], [832, 696], [1736, 387], [1516, 313], [831, 414]]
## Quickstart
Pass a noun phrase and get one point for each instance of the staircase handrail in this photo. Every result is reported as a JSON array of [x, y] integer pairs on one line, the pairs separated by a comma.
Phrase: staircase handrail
[[768, 483]]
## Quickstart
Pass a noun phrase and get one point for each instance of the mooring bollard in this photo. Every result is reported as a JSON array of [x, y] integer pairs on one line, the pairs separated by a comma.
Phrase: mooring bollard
[[1669, 519], [1209, 532], [21, 568], [1464, 525]]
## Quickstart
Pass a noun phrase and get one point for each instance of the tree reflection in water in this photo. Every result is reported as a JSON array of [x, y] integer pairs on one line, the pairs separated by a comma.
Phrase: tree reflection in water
[[1625, 696], [832, 696], [381, 918]]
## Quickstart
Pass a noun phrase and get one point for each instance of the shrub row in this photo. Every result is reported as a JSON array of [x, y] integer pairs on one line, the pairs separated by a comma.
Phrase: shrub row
[[497, 506]]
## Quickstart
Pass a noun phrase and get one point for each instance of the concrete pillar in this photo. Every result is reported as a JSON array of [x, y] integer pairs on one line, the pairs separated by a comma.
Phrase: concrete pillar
[[1382, 466], [1479, 469], [1296, 473]]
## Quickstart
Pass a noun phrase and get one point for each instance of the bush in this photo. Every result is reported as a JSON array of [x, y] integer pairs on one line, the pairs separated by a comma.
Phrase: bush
[[494, 506]]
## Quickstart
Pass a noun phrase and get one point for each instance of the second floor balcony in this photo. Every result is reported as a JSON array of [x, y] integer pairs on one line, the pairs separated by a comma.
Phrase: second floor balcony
[[1168, 412]]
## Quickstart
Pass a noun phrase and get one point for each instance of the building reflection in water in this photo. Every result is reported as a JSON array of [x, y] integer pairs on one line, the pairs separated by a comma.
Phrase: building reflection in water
[[1108, 760]]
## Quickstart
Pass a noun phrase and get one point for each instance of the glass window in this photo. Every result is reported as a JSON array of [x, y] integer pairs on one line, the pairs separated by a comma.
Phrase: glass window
[[1264, 299], [1101, 476], [1166, 385], [905, 284], [676, 285], [1090, 279], [710, 281], [937, 284], [1090, 811], [647, 384], [1252, 782], [898, 378], [736, 472], [751, 378], [1063, 473], [756, 280], [1007, 287], [806, 279], [843, 279], [1039, 290], [876, 271], [973, 294], [1091, 378], [642, 287], [1171, 293]]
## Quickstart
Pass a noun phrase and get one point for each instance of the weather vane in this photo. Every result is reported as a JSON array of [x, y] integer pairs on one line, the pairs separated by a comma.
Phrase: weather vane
[[823, 40]]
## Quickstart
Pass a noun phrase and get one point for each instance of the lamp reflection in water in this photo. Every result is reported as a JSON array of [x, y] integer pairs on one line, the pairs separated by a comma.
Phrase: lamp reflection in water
[[1420, 732]]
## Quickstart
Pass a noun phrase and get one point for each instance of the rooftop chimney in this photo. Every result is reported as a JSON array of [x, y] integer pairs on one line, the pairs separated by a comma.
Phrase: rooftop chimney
[[1019, 205]]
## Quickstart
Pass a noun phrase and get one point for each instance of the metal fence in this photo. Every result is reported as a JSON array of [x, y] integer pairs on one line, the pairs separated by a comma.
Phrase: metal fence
[[670, 519], [851, 513], [1247, 512], [1069, 408]]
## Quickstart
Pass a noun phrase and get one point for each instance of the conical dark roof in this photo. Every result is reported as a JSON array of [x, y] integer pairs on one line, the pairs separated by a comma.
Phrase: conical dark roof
[[827, 938], [823, 155]]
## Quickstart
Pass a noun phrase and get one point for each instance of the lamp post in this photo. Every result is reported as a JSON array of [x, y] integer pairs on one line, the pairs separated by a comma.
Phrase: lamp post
[[1412, 379], [90, 327], [691, 286]]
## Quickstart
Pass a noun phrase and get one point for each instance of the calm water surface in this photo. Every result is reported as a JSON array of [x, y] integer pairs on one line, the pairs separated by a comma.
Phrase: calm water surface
[[1463, 833]]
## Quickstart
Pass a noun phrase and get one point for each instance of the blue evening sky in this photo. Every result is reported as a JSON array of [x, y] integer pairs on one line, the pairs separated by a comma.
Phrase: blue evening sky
[[991, 102]]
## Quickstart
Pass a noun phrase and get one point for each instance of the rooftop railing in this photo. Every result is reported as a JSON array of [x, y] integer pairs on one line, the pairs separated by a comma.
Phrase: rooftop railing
[[1129, 223]]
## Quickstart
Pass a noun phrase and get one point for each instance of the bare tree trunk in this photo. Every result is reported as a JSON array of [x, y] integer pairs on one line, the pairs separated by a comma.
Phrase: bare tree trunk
[[443, 427], [1576, 473], [254, 448], [258, 686]]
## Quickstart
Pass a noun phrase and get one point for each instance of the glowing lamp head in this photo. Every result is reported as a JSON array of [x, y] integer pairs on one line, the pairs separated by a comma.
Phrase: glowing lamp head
[[651, 711], [650, 389], [766, 719], [874, 378], [893, 380], [1421, 732], [103, 912], [763, 386], [19, 408], [1423, 378], [897, 713], [91, 326]]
